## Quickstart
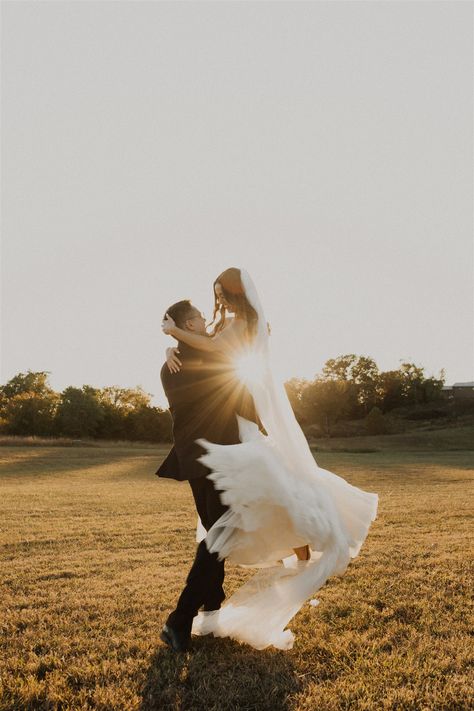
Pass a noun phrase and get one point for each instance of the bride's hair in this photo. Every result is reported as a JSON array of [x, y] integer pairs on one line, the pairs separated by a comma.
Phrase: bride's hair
[[234, 292]]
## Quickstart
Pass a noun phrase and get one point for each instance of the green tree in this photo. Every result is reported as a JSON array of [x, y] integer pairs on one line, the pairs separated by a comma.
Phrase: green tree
[[365, 374], [295, 389], [392, 390], [125, 399], [30, 414], [375, 422], [149, 424], [29, 382], [431, 387], [338, 368], [413, 377], [117, 404], [79, 412], [28, 404], [327, 401]]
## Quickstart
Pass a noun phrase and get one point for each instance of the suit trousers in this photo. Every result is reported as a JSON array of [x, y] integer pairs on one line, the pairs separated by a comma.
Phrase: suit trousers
[[204, 582]]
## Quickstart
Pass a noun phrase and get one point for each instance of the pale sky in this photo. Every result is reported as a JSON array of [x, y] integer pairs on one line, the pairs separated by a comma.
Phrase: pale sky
[[327, 147]]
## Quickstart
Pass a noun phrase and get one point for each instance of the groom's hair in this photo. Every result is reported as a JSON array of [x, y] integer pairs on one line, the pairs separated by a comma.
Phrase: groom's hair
[[180, 312]]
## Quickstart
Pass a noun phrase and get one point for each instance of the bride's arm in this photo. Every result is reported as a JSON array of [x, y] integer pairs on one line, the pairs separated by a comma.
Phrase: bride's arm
[[172, 361], [226, 340]]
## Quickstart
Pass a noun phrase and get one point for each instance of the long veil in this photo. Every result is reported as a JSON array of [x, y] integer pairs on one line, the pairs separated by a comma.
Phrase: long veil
[[279, 499]]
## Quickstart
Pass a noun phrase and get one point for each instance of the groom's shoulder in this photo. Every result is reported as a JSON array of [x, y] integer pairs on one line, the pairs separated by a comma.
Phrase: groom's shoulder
[[170, 379], [193, 365]]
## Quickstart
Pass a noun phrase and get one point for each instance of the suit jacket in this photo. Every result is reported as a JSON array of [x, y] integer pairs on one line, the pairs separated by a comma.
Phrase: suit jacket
[[204, 398]]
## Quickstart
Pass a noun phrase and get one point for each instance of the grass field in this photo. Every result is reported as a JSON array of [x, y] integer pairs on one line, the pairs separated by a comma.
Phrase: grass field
[[95, 550]]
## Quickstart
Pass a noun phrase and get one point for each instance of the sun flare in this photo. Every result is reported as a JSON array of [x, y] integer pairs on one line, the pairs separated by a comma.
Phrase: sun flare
[[250, 367]]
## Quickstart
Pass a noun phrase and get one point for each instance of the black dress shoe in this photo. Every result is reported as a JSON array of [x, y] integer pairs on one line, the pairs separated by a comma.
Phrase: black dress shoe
[[171, 637]]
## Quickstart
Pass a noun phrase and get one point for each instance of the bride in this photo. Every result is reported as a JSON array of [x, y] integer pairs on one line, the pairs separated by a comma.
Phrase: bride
[[279, 500]]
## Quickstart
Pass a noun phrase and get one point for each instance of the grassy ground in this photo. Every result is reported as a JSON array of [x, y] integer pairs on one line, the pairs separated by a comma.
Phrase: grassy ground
[[425, 437], [95, 550]]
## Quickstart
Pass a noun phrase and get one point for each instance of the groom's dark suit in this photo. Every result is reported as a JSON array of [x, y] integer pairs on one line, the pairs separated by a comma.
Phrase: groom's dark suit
[[204, 397]]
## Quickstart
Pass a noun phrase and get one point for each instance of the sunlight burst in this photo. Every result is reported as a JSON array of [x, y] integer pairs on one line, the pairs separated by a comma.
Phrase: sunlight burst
[[250, 367]]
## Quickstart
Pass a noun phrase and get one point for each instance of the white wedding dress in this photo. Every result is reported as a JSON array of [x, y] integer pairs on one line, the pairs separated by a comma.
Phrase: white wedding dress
[[278, 499]]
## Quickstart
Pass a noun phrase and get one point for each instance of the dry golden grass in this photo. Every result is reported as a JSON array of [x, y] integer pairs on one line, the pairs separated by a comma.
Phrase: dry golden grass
[[95, 550]]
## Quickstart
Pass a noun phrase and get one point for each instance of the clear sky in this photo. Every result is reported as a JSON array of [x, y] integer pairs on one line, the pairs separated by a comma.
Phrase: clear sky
[[327, 147]]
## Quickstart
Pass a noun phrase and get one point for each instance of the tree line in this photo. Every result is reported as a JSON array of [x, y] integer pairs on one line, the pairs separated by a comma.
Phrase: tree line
[[29, 406], [349, 387], [352, 387]]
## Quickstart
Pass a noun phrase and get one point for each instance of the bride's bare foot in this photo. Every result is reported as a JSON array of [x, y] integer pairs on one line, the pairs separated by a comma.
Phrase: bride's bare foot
[[303, 553]]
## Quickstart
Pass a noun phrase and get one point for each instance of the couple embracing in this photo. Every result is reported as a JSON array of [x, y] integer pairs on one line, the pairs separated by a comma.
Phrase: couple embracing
[[262, 500]]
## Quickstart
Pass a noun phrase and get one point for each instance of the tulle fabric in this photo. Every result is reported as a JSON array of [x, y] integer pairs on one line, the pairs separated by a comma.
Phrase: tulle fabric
[[278, 499]]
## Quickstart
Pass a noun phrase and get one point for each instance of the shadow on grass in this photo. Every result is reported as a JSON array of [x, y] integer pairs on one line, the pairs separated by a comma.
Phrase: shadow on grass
[[220, 675], [41, 460]]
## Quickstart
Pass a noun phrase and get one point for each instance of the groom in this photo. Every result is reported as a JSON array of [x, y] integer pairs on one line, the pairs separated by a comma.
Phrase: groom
[[204, 398]]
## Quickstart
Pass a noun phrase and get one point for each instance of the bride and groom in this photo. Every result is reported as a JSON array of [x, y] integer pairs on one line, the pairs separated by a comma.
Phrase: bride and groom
[[260, 496]]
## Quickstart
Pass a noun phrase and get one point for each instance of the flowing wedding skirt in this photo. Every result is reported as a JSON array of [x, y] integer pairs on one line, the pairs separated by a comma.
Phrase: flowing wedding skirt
[[275, 505], [278, 499]]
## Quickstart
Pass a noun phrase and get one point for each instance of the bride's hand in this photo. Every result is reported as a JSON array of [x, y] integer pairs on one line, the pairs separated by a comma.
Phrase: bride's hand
[[172, 360], [167, 325]]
